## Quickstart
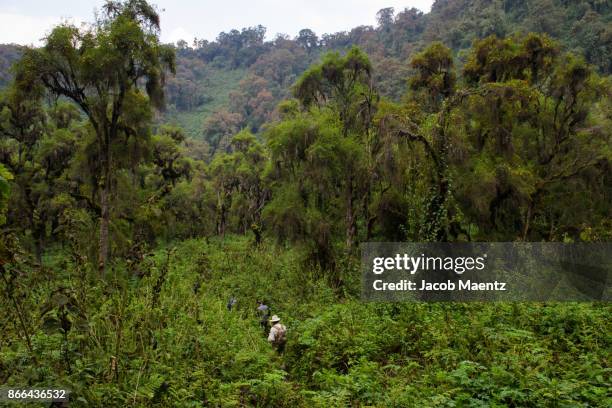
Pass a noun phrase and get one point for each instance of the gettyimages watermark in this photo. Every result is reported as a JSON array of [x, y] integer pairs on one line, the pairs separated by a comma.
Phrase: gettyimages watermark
[[495, 271]]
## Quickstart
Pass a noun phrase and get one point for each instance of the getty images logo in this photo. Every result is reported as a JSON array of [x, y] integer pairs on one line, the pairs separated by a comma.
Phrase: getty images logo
[[413, 264]]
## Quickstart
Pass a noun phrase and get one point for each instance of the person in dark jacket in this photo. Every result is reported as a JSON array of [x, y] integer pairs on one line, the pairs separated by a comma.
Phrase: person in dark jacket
[[263, 311], [231, 303]]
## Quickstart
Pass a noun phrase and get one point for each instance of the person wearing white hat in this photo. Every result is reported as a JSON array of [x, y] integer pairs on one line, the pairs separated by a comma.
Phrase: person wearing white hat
[[278, 334]]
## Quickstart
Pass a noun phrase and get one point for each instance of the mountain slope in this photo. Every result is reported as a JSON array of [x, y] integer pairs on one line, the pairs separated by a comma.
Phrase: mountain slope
[[580, 26]]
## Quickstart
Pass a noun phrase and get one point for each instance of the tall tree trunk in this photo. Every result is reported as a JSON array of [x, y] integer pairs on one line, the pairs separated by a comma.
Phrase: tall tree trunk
[[437, 210], [221, 214], [105, 191], [38, 246], [371, 219], [527, 221], [104, 222], [351, 227]]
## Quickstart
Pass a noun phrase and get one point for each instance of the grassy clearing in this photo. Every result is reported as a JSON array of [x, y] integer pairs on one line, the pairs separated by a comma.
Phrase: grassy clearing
[[218, 83]]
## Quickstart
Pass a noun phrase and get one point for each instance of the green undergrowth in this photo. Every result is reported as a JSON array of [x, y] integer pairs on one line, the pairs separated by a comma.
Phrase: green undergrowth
[[159, 334]]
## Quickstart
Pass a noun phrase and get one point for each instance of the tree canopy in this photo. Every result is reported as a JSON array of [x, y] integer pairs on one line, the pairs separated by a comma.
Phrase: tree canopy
[[114, 72]]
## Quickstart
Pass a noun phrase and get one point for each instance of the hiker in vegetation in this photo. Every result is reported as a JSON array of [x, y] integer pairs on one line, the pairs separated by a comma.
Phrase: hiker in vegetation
[[256, 228], [231, 302], [278, 334], [263, 312]]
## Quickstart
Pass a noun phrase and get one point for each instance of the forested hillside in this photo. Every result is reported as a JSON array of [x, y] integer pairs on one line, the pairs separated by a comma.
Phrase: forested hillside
[[123, 238], [9, 54], [265, 70]]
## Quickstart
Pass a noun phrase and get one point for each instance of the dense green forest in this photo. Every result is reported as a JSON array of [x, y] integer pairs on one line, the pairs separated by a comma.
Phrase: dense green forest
[[237, 80], [142, 185]]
